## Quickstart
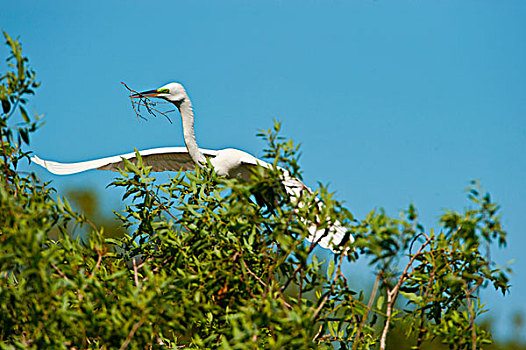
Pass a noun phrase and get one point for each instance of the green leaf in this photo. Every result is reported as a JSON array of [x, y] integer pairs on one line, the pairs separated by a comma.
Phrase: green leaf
[[330, 269], [24, 114], [380, 302], [24, 135], [6, 106], [412, 297], [131, 167]]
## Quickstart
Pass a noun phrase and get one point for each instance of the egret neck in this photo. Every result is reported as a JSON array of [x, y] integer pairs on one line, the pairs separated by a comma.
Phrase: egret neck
[[187, 115]]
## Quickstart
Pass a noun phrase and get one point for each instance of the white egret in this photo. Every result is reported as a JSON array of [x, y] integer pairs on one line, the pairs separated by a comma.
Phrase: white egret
[[226, 162]]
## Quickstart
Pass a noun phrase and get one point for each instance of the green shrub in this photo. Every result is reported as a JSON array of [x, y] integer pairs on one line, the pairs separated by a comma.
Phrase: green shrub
[[205, 265]]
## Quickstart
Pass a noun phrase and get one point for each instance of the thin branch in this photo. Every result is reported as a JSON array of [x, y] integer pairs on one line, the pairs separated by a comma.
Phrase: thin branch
[[327, 296], [92, 225], [262, 282], [471, 322], [329, 293], [414, 240], [146, 102], [291, 277], [60, 272], [99, 260], [131, 334], [393, 294], [471, 313], [322, 304], [135, 276], [369, 306], [318, 334], [300, 296], [166, 210], [5, 160], [163, 263], [422, 312], [252, 273]]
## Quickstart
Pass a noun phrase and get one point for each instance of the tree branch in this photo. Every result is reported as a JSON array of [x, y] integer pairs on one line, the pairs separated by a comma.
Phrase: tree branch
[[393, 294], [369, 305]]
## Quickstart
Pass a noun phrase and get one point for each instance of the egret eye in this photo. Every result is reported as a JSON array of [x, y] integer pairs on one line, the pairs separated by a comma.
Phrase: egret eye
[[164, 91]]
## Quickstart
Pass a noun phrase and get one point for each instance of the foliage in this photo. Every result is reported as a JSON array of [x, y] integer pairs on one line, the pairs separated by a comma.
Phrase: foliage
[[205, 265]]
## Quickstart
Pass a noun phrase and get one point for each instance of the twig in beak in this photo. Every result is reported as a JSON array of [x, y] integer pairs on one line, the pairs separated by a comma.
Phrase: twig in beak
[[137, 100]]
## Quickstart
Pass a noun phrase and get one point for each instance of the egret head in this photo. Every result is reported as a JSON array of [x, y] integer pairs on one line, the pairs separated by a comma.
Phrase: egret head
[[173, 92]]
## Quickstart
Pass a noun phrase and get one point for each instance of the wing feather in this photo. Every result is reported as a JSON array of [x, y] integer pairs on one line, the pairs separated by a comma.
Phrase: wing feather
[[176, 158], [160, 159], [329, 238]]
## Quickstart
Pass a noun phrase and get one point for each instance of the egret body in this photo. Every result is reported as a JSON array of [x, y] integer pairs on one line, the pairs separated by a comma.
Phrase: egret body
[[226, 162]]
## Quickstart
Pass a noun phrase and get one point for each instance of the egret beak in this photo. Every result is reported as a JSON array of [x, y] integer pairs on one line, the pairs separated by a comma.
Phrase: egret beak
[[149, 93]]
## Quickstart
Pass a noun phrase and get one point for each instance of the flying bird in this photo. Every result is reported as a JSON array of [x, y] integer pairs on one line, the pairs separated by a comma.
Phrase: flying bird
[[227, 162]]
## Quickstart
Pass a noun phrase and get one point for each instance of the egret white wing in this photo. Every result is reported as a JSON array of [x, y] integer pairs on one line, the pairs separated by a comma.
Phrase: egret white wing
[[329, 238], [160, 159]]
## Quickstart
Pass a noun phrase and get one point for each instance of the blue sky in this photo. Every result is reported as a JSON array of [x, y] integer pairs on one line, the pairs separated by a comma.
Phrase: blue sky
[[393, 101]]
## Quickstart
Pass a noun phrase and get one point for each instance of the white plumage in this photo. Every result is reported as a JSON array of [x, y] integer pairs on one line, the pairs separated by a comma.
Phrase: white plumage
[[226, 162], [160, 159]]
